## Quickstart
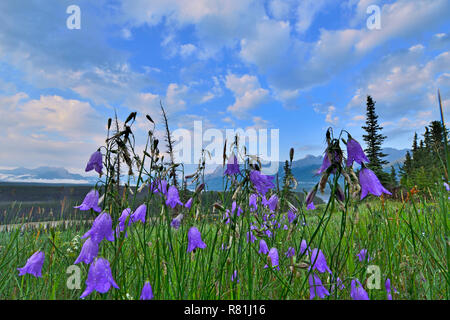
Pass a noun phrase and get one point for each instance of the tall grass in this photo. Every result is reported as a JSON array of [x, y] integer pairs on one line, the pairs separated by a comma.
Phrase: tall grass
[[407, 241]]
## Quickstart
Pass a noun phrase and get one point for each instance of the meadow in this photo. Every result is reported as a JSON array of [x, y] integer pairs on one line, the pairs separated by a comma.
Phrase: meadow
[[254, 242]]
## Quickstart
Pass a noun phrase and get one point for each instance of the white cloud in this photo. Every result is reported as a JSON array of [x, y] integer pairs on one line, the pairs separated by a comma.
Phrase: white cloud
[[248, 93], [187, 49], [306, 12], [49, 131]]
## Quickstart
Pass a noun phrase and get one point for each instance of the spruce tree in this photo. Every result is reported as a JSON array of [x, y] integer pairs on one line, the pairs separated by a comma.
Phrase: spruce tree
[[374, 140]]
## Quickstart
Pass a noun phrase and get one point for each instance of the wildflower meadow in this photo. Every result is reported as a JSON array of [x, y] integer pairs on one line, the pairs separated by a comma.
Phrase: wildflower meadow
[[258, 241]]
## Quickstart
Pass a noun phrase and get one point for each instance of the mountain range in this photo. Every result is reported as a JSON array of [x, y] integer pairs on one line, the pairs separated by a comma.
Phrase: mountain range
[[302, 169]]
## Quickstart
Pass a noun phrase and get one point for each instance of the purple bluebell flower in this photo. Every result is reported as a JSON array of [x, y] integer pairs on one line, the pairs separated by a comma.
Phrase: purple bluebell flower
[[173, 198], [139, 214], [261, 182], [447, 187], [99, 278], [88, 252], [355, 152], [310, 206], [291, 216], [285, 227], [253, 202], [147, 292], [250, 237], [188, 204], [325, 164], [268, 233], [195, 240], [363, 255], [357, 291], [234, 276], [159, 186], [290, 252], [90, 202], [316, 287], [318, 261], [234, 206], [273, 202], [311, 194], [370, 184], [388, 289], [263, 248], [95, 162], [176, 222], [101, 228], [303, 246], [232, 167], [273, 256], [123, 218], [239, 211], [226, 217], [34, 265], [340, 284]]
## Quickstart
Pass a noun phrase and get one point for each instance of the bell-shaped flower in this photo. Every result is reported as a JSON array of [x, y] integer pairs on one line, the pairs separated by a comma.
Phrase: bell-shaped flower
[[101, 229], [232, 166], [273, 256], [88, 252], [34, 265], [261, 182], [99, 278], [176, 222], [123, 218], [310, 206], [95, 162], [139, 214], [316, 287], [355, 152], [303, 246], [273, 202], [252, 202], [147, 292], [188, 203], [357, 291], [250, 237], [234, 277], [173, 198], [318, 261], [195, 240], [159, 186], [388, 289], [290, 216], [290, 252], [263, 248], [325, 164], [370, 184], [90, 202], [363, 255]]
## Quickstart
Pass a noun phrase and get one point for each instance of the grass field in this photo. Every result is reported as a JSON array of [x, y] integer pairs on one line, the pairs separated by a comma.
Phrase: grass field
[[405, 242]]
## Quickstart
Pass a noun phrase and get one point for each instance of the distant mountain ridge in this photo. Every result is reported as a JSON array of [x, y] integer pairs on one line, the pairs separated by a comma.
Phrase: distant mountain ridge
[[304, 170], [45, 175]]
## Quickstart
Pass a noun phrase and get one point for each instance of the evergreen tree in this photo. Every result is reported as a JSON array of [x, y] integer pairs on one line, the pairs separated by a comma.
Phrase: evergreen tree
[[415, 146], [374, 140], [393, 178]]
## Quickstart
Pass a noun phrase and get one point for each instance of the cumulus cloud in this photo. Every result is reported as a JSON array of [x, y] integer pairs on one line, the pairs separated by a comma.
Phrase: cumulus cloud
[[248, 93], [50, 130]]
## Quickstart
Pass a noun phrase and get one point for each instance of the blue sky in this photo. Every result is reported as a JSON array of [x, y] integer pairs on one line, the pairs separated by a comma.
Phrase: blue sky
[[297, 66]]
